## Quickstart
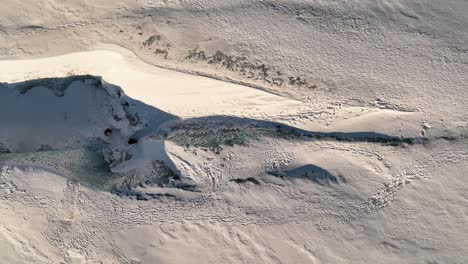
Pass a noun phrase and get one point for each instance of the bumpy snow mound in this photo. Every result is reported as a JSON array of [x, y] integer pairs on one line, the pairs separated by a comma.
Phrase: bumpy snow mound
[[71, 112]]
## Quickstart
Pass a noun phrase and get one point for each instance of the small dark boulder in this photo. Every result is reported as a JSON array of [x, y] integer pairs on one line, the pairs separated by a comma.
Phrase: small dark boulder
[[249, 179]]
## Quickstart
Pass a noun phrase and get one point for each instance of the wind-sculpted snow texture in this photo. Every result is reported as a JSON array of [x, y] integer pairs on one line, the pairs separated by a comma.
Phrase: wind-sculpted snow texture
[[240, 131]]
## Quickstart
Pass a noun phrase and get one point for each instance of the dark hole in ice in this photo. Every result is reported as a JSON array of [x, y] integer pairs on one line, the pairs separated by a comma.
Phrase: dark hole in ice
[[132, 141], [108, 132]]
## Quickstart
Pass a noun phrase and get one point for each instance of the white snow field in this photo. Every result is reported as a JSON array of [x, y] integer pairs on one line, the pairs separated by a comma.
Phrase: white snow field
[[260, 131]]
